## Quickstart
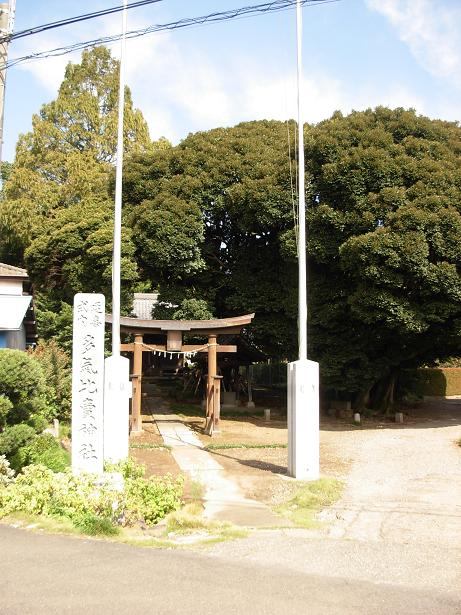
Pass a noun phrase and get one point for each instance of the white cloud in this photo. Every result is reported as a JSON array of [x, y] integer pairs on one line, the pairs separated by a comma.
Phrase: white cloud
[[183, 89], [431, 31], [48, 73]]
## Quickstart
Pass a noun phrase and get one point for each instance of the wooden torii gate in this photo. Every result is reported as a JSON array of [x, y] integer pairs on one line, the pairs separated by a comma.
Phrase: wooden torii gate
[[172, 331]]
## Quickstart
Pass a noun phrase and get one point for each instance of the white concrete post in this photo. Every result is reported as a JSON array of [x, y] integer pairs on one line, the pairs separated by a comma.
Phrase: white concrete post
[[303, 420], [117, 391]]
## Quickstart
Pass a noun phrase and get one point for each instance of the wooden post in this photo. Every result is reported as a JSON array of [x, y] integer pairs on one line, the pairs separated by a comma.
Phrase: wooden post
[[210, 395], [136, 418], [250, 403], [217, 403]]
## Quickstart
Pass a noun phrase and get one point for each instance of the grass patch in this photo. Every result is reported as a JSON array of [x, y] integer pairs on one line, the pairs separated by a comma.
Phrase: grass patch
[[190, 520], [241, 412], [196, 491], [92, 525], [309, 499], [64, 430], [187, 409], [217, 446], [51, 525], [151, 446]]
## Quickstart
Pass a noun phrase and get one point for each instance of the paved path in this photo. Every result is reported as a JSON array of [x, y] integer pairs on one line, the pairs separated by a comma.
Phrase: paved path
[[51, 575], [223, 498]]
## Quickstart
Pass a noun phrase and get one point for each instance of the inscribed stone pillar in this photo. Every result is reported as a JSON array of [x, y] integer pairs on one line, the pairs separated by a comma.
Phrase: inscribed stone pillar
[[88, 383]]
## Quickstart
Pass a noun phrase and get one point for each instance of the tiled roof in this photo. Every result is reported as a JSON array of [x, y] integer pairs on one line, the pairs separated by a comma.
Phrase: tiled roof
[[9, 271]]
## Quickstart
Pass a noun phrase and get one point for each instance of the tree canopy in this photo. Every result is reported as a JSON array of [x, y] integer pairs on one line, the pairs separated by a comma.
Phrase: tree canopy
[[210, 224], [384, 226], [213, 220], [67, 157]]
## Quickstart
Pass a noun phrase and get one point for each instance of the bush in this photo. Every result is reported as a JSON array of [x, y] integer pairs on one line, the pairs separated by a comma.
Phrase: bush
[[128, 468], [55, 365], [43, 450], [431, 382], [6, 473], [150, 499], [14, 437], [5, 408], [90, 524], [86, 497], [23, 383]]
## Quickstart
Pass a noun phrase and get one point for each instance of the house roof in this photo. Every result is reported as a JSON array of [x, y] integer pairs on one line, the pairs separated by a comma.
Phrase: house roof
[[13, 308], [9, 271]]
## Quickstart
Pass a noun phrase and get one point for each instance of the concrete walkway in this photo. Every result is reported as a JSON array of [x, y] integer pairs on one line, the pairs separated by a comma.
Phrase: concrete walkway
[[223, 498]]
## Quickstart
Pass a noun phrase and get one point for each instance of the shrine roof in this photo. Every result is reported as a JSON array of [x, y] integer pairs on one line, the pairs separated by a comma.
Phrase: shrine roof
[[217, 326]]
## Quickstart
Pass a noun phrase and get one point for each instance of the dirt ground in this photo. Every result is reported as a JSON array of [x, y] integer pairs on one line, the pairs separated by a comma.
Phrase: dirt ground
[[261, 472]]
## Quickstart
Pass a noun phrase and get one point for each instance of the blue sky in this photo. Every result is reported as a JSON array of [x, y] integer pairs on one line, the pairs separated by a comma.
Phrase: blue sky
[[357, 54]]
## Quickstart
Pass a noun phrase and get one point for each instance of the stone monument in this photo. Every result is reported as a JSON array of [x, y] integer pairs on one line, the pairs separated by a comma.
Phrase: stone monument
[[88, 383]]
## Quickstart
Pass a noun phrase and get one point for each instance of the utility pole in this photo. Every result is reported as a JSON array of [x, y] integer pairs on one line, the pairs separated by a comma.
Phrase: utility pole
[[118, 200], [117, 387], [302, 273], [7, 12], [303, 375]]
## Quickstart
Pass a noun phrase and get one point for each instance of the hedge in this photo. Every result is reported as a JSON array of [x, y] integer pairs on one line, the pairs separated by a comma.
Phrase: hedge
[[433, 381]]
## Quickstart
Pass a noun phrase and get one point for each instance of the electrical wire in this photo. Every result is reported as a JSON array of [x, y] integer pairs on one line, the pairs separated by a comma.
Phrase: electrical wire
[[71, 20], [246, 11]]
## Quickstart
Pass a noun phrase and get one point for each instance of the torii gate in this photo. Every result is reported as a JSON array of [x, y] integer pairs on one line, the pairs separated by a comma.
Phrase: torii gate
[[173, 331]]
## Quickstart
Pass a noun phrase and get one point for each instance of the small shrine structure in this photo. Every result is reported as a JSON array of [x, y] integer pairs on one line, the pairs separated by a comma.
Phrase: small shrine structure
[[171, 343]]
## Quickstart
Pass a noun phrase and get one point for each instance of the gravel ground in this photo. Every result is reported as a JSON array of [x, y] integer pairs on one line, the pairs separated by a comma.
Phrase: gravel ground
[[399, 520]]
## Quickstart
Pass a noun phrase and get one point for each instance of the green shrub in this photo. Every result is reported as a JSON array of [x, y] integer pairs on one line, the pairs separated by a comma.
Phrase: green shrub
[[431, 381], [38, 422], [6, 473], [83, 498], [90, 524], [5, 408], [30, 492], [55, 365], [151, 499], [43, 450], [129, 468], [23, 383], [14, 437]]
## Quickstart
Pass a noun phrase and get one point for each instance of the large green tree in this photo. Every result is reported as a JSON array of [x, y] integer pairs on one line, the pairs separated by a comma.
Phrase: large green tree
[[384, 222], [74, 254], [213, 220], [67, 157], [384, 229]]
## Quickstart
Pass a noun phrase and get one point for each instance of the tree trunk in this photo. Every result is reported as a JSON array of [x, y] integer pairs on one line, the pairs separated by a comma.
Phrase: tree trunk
[[383, 395], [362, 399]]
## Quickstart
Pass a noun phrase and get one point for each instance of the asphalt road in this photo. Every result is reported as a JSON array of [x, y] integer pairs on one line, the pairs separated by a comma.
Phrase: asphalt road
[[47, 574]]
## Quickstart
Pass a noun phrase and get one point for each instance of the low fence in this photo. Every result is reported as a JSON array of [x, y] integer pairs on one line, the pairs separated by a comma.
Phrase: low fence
[[272, 375]]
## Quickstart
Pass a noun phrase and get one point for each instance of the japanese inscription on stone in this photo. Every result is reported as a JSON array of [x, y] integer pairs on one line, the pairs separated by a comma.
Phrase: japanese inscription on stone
[[88, 383]]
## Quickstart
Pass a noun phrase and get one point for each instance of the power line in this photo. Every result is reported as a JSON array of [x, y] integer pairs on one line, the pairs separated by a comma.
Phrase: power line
[[246, 11], [71, 20]]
